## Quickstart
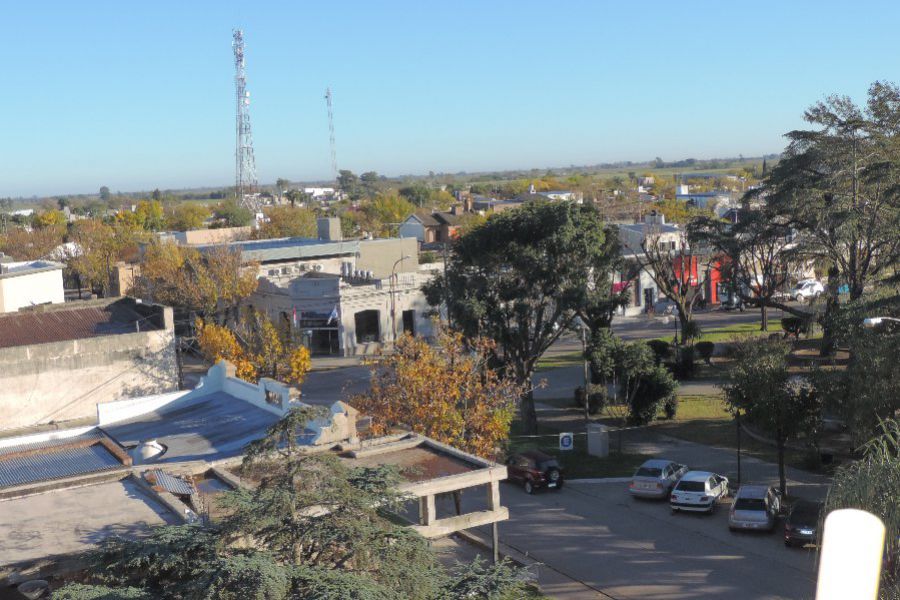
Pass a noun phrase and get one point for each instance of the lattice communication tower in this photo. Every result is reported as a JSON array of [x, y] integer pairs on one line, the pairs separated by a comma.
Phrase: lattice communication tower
[[245, 182]]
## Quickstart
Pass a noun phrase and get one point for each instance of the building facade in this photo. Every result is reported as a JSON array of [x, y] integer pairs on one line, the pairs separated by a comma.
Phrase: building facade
[[24, 284]]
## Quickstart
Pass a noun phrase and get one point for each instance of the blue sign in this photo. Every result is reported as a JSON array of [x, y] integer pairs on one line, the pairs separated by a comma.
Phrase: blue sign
[[566, 441]]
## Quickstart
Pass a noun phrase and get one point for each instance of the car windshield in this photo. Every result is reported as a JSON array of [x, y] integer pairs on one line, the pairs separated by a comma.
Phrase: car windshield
[[749, 504], [648, 472], [806, 513], [691, 486], [548, 464]]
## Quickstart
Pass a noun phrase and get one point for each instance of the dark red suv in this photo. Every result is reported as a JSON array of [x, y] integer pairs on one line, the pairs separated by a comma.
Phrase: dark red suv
[[534, 470]]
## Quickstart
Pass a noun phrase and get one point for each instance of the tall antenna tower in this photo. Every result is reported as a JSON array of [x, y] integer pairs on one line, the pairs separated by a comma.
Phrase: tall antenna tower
[[245, 182], [334, 169]]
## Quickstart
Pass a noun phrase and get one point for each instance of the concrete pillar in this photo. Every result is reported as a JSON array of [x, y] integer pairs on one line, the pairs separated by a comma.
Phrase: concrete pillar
[[493, 495], [598, 439], [427, 510]]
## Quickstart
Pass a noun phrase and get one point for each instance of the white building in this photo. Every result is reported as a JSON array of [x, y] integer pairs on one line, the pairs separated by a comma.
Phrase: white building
[[343, 297], [30, 283], [319, 193]]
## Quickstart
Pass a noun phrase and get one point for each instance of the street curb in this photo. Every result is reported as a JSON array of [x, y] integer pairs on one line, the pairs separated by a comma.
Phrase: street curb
[[599, 480]]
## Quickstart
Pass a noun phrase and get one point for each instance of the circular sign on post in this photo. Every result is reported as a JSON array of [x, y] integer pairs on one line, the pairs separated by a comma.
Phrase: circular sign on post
[[566, 441]]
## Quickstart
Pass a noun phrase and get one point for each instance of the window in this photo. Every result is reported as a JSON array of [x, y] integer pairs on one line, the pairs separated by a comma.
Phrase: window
[[367, 326], [647, 472], [409, 322], [749, 504], [691, 486]]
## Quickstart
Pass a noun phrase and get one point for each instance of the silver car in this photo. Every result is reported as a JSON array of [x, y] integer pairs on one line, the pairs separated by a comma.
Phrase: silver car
[[656, 478], [755, 507]]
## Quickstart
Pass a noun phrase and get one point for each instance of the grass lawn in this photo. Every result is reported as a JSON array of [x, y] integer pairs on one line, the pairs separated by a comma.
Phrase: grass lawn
[[569, 359], [577, 463]]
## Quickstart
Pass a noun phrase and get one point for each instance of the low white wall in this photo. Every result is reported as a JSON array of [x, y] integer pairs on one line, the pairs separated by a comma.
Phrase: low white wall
[[122, 410]]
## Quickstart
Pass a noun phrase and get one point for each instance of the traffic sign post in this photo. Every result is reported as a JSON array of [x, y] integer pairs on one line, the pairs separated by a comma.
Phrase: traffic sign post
[[566, 441]]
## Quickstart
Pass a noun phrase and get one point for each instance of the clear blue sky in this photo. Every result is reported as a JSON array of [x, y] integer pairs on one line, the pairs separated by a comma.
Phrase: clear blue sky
[[140, 95]]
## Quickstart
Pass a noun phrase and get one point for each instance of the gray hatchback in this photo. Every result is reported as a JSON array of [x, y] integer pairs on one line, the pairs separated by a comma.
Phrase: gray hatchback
[[755, 507]]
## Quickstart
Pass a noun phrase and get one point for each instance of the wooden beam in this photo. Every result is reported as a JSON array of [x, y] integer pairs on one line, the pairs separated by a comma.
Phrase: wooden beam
[[442, 527]]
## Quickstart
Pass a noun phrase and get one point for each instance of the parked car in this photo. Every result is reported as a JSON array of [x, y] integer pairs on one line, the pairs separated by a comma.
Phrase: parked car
[[806, 289], [755, 507], [802, 524], [698, 491], [534, 470], [656, 478]]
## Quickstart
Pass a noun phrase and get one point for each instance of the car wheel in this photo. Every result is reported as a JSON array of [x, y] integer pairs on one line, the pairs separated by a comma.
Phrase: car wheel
[[559, 485], [529, 487], [674, 510]]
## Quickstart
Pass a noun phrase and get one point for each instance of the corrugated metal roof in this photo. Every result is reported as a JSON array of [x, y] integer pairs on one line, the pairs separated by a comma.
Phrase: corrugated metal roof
[[46, 444], [63, 324], [55, 464], [170, 483]]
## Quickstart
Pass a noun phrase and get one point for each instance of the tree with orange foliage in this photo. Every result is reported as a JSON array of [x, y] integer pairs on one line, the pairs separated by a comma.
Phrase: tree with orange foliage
[[447, 392]]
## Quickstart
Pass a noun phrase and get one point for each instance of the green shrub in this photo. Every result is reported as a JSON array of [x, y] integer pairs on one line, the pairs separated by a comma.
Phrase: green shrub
[[655, 387], [795, 326], [597, 399], [683, 368], [705, 350], [670, 406], [661, 350], [691, 332]]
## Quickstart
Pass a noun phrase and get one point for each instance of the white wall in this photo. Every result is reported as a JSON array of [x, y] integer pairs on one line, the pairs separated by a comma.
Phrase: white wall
[[28, 289], [412, 229]]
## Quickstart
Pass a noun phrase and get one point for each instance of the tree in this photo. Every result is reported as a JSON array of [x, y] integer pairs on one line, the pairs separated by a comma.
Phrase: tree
[[212, 282], [104, 194], [49, 218], [263, 350], [349, 184], [99, 247], [759, 386], [22, 244], [187, 216], [149, 215], [233, 214], [285, 221], [417, 193], [873, 485], [311, 527], [281, 185], [447, 392], [369, 183], [836, 185], [519, 278], [756, 256], [679, 273], [868, 390], [385, 213]]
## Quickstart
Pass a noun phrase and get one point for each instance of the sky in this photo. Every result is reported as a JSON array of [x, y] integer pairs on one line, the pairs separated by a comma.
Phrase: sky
[[137, 96]]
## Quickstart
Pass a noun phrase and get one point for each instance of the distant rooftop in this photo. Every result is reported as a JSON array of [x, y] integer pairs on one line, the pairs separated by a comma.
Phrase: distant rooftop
[[15, 269], [73, 321], [291, 248]]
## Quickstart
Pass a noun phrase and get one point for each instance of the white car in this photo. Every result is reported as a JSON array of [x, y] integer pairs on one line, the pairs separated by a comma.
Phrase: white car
[[656, 478], [806, 289], [698, 491]]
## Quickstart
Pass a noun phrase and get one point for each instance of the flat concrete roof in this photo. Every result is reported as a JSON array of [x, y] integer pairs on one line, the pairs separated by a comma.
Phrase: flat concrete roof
[[209, 427], [72, 520], [419, 463]]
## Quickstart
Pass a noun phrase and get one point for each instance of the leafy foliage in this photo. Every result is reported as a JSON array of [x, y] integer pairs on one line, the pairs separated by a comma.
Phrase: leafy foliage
[[447, 392], [873, 484], [286, 221], [760, 386], [519, 278], [212, 282]]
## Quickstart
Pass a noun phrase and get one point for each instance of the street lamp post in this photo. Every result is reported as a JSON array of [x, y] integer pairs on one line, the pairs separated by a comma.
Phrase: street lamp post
[[393, 300], [579, 322]]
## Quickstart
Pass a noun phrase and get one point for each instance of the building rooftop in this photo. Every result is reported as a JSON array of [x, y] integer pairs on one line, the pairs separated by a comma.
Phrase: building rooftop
[[419, 463], [67, 521], [207, 427], [16, 269], [72, 321], [282, 249], [55, 459]]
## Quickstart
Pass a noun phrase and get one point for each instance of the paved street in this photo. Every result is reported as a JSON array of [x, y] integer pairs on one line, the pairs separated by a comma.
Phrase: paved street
[[598, 536]]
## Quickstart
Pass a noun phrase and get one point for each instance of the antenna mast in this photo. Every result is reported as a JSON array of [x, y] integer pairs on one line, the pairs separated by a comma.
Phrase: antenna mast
[[334, 169], [245, 182]]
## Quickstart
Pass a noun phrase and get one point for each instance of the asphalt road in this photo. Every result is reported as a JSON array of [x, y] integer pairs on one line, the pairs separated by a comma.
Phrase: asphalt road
[[601, 538], [336, 379]]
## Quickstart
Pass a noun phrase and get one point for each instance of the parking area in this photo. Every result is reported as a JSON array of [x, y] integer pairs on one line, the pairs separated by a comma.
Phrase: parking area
[[622, 547]]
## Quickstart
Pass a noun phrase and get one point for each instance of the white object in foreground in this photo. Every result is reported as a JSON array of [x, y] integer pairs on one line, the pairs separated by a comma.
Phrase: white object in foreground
[[850, 565]]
